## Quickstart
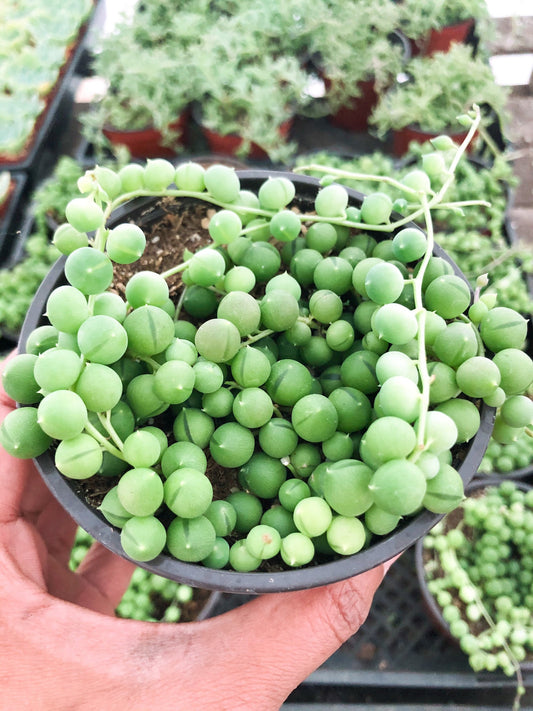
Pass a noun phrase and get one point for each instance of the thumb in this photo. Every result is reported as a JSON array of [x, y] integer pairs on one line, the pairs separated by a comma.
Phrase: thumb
[[275, 641]]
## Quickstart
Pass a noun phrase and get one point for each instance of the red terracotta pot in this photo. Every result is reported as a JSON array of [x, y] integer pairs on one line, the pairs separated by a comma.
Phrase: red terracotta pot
[[230, 144], [355, 114], [401, 138], [5, 202], [441, 40], [148, 142]]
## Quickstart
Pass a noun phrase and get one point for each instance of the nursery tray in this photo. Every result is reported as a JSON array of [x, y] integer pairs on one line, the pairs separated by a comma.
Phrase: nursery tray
[[53, 119], [398, 654]]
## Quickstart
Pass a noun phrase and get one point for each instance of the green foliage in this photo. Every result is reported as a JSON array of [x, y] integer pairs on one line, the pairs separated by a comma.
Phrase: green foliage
[[472, 179], [419, 16], [353, 42], [478, 570], [150, 74], [51, 197], [439, 89], [18, 284], [242, 67]]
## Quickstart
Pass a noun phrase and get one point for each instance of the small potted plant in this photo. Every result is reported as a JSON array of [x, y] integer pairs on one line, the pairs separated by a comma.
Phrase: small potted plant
[[252, 83], [439, 89], [513, 460], [358, 52], [474, 570], [435, 26], [244, 68], [248, 111], [252, 409], [150, 86]]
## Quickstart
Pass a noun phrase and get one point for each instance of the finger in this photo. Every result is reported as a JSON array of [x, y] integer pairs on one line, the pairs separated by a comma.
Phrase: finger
[[107, 573], [57, 529], [14, 477]]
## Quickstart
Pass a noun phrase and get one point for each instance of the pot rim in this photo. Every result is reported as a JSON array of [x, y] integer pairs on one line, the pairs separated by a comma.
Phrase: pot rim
[[195, 574]]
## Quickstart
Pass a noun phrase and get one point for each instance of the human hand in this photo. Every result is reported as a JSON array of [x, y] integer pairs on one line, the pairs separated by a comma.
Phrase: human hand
[[62, 648]]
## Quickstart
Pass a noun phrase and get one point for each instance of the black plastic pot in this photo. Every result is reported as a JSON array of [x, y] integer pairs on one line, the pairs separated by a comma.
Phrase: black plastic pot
[[433, 609], [208, 610], [145, 212]]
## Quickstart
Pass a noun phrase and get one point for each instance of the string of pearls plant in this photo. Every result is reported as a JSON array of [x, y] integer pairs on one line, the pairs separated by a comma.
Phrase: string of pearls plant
[[326, 360]]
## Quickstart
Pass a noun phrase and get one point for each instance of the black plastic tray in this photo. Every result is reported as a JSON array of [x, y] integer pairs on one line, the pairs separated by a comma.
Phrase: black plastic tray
[[13, 216], [398, 655], [53, 116]]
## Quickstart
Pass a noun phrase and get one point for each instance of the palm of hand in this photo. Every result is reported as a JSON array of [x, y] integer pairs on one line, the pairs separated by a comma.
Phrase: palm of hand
[[61, 647]]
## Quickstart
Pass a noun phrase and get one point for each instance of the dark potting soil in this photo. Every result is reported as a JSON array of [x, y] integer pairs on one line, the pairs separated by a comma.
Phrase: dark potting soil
[[166, 241]]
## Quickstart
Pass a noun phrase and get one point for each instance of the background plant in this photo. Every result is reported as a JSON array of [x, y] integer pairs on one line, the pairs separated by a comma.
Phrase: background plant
[[507, 458], [417, 18], [244, 67], [149, 597], [439, 89], [479, 572], [19, 282], [354, 42], [150, 76]]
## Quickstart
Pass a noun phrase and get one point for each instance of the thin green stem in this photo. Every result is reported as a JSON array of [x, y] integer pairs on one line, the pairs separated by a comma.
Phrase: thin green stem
[[174, 270], [507, 254], [105, 419], [252, 229], [463, 203], [179, 305], [422, 364], [154, 365], [103, 441], [349, 175], [490, 142], [257, 337]]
